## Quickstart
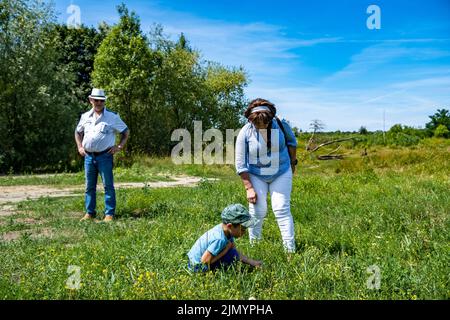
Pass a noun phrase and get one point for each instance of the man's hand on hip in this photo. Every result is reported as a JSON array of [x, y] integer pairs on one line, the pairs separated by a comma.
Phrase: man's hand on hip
[[81, 151], [114, 149]]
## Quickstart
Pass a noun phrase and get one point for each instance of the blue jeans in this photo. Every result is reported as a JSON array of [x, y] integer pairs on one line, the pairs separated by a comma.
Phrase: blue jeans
[[227, 260], [93, 165]]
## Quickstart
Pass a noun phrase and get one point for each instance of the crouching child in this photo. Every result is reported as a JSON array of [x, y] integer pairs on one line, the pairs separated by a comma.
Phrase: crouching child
[[216, 248]]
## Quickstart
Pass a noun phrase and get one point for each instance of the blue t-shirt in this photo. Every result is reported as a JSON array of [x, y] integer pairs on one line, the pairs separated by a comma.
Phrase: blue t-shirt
[[213, 240], [253, 157]]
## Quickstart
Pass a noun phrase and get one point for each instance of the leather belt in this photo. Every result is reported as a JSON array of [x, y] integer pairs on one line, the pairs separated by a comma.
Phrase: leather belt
[[95, 154]]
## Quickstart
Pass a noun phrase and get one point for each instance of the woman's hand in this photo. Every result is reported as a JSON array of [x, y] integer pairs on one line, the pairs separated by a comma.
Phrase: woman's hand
[[251, 195]]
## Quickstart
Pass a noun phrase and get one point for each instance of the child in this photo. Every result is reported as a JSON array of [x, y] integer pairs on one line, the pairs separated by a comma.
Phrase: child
[[216, 247]]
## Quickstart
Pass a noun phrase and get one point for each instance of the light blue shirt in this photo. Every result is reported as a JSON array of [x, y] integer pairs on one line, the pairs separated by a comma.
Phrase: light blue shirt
[[100, 133], [214, 240], [253, 157]]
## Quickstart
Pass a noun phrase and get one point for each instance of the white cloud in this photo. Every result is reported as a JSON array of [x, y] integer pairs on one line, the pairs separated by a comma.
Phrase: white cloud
[[262, 49], [428, 83], [348, 109]]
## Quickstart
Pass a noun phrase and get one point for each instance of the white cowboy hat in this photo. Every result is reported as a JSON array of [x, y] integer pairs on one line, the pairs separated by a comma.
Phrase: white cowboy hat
[[98, 94]]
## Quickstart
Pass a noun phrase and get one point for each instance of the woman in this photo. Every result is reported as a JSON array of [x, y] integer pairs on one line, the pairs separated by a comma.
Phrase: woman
[[266, 160]]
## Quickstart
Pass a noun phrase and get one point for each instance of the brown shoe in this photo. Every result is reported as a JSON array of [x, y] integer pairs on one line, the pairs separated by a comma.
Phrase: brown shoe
[[87, 217], [108, 218]]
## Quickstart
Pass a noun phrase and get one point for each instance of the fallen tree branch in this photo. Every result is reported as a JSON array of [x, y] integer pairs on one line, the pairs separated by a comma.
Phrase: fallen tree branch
[[310, 142], [330, 157], [334, 151], [330, 142]]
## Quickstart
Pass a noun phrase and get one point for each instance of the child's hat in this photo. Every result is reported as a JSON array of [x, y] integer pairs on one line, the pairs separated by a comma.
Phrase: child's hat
[[237, 213]]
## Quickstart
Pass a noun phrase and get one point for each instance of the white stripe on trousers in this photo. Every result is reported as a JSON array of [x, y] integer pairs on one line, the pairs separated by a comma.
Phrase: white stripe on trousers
[[280, 194]]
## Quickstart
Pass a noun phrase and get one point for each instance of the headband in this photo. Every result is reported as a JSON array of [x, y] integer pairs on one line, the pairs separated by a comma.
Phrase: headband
[[261, 108]]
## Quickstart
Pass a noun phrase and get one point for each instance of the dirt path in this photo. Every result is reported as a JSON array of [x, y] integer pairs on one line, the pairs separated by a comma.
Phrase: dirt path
[[11, 195], [14, 194]]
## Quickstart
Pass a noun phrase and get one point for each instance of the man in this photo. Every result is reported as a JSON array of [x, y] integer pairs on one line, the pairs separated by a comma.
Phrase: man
[[95, 138]]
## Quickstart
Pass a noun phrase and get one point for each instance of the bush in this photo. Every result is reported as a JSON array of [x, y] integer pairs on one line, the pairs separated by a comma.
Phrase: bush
[[441, 132]]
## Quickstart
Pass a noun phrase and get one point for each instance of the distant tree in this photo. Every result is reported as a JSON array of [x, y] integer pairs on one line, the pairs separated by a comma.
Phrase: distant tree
[[363, 130], [403, 135], [441, 117], [316, 125], [296, 131], [396, 128], [183, 43], [421, 133]]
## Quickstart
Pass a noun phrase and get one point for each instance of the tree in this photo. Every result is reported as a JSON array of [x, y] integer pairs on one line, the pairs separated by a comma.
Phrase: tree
[[227, 89], [296, 131], [186, 89], [441, 117], [316, 125], [124, 67], [37, 115], [159, 85], [78, 47], [396, 128], [363, 130]]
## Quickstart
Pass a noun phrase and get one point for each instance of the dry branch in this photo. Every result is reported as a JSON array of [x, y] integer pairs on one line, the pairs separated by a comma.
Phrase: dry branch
[[334, 151], [330, 157], [330, 142]]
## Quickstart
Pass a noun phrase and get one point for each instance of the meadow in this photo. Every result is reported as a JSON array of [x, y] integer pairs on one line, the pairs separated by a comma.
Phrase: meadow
[[387, 210]]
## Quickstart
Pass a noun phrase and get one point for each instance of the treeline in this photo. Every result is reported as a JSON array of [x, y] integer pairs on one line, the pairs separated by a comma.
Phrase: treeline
[[402, 135], [397, 135], [156, 85]]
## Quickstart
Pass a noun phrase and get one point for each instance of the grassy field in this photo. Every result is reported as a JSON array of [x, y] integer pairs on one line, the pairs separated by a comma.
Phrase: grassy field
[[389, 209]]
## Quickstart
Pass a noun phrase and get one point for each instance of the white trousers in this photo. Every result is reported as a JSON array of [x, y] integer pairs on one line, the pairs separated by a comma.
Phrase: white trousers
[[280, 195]]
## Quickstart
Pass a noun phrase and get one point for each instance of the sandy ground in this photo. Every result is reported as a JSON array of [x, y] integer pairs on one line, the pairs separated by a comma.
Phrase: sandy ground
[[9, 195]]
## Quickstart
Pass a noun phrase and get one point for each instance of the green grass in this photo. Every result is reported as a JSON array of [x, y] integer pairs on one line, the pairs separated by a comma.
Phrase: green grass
[[389, 209]]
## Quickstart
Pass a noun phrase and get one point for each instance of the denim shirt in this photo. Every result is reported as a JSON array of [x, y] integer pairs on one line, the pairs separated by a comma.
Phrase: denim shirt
[[253, 157]]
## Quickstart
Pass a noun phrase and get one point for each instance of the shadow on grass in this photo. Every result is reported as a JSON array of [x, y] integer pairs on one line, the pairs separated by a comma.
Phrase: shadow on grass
[[152, 211]]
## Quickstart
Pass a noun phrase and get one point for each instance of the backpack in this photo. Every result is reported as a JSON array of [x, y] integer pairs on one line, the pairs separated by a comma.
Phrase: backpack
[[280, 124]]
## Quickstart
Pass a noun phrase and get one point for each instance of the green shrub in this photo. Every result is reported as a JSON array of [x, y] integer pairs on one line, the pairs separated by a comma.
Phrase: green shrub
[[441, 132]]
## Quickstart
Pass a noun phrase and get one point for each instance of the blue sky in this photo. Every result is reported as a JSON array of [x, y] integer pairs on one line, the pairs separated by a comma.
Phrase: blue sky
[[315, 59]]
